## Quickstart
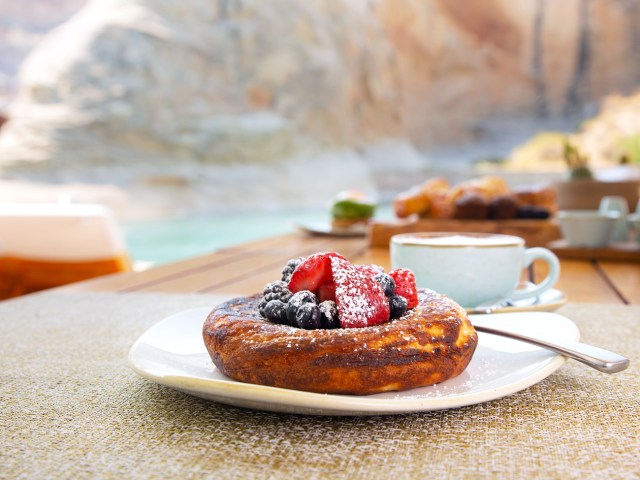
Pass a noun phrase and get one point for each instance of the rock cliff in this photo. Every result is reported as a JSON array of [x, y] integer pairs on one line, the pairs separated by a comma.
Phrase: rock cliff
[[137, 92]]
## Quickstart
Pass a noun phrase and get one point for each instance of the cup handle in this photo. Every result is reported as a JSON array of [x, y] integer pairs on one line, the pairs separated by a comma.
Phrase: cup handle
[[539, 253]]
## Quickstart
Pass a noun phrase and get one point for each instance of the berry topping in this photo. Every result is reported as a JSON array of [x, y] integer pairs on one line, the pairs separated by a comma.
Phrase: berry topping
[[386, 282], [360, 299], [313, 272], [277, 291], [274, 291], [296, 301], [397, 306], [308, 316], [289, 269], [370, 269], [276, 311], [405, 285], [329, 312], [327, 292]]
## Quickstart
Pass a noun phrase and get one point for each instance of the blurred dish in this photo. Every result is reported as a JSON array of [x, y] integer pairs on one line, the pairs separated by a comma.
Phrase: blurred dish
[[352, 207], [322, 228], [587, 228]]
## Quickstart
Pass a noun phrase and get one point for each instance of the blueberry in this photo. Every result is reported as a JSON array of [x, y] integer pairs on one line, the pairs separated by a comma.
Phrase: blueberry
[[387, 283], [298, 299], [276, 311], [308, 316], [329, 312], [398, 306]]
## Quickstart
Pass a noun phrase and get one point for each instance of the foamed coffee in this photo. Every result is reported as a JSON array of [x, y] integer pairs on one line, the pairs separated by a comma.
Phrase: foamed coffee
[[460, 240]]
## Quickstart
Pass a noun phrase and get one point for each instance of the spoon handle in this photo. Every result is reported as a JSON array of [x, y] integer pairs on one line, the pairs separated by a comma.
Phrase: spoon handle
[[598, 358]]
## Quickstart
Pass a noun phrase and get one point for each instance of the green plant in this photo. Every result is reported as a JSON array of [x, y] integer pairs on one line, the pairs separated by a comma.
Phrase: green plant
[[577, 162], [630, 149]]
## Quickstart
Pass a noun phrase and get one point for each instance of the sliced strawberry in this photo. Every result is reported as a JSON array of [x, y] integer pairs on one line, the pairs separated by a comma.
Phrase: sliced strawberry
[[370, 269], [360, 299], [327, 292], [313, 272], [405, 285]]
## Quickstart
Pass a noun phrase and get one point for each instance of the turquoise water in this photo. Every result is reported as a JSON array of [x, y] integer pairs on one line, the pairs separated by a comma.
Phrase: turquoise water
[[167, 240]]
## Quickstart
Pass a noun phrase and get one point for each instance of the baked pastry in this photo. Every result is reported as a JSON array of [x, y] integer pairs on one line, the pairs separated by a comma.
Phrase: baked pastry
[[351, 207], [471, 206], [503, 207], [411, 202], [488, 186], [428, 343], [436, 199], [537, 196], [422, 199]]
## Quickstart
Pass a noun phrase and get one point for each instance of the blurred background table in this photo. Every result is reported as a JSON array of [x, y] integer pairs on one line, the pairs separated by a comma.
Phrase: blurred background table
[[246, 268]]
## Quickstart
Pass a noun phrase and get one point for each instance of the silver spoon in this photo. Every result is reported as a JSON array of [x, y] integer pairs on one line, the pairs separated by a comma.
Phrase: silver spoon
[[598, 358]]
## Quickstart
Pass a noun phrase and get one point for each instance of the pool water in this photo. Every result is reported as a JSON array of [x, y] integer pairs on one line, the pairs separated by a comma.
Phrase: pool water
[[167, 240], [161, 241]]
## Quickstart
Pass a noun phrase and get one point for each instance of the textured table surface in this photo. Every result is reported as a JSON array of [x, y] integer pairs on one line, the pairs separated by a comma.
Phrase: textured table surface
[[70, 407]]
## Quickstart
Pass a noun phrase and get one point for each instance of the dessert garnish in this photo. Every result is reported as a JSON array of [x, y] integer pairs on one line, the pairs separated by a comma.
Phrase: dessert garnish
[[327, 291]]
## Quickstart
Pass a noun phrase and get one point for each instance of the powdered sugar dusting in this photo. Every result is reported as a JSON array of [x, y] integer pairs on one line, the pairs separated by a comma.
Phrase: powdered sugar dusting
[[360, 299]]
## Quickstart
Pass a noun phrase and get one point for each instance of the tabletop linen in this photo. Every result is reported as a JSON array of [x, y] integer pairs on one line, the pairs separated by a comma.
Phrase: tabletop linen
[[70, 407]]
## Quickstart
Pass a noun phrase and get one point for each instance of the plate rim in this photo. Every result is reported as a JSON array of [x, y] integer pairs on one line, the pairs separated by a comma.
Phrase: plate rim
[[308, 227], [233, 392]]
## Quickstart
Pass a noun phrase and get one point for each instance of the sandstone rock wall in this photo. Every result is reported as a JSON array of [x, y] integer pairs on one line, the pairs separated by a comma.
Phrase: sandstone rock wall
[[465, 61], [206, 81], [133, 91]]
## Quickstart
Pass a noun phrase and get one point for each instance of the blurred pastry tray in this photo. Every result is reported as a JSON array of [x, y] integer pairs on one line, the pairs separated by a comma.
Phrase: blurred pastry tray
[[625, 251], [536, 233]]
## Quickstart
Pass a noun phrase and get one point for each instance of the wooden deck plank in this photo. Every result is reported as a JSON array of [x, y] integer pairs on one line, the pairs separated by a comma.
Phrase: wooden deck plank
[[256, 280], [625, 278], [246, 268], [133, 281], [217, 276], [236, 269], [580, 281]]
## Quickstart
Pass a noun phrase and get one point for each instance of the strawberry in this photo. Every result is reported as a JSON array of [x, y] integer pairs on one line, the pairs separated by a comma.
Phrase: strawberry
[[314, 271], [370, 269], [405, 285], [360, 299], [327, 292]]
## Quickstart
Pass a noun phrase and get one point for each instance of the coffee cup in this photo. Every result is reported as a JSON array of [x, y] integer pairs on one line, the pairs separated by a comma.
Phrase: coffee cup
[[472, 268]]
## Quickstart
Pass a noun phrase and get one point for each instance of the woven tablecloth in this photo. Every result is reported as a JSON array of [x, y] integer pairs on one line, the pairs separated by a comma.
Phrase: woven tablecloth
[[72, 408]]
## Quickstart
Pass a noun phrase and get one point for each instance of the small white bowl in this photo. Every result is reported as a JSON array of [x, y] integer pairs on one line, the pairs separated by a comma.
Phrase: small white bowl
[[587, 228]]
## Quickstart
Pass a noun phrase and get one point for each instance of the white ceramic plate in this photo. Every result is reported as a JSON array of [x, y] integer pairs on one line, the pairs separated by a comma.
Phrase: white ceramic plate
[[173, 354], [325, 228], [548, 301]]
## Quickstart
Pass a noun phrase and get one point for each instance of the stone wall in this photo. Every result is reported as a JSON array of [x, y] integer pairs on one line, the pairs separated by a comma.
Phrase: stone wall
[[462, 62], [22, 25], [137, 93]]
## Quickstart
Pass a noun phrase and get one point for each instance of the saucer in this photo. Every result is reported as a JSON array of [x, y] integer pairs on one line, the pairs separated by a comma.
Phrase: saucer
[[546, 302]]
